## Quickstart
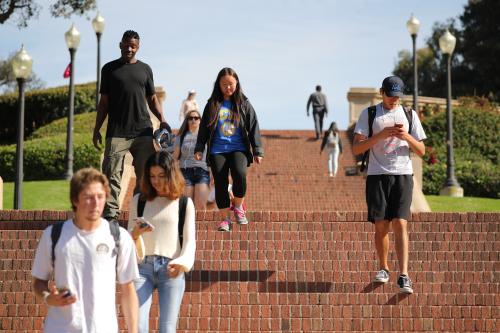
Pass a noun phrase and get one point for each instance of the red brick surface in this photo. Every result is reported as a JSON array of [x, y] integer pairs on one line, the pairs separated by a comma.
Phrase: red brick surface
[[294, 176], [301, 271]]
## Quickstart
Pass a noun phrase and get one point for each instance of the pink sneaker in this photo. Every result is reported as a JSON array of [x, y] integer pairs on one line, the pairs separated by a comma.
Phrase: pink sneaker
[[225, 225], [240, 215]]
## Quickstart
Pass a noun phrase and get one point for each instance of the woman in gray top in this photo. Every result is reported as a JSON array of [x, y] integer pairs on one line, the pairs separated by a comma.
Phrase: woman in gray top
[[195, 172]]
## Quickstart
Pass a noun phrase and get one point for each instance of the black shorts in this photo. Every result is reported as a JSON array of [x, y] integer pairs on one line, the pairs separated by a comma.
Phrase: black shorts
[[388, 197]]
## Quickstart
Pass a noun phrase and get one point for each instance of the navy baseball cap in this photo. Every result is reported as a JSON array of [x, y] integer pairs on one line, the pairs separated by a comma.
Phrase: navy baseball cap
[[393, 86]]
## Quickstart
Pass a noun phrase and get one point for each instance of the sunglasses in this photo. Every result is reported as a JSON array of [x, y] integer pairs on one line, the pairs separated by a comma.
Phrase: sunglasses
[[193, 118]]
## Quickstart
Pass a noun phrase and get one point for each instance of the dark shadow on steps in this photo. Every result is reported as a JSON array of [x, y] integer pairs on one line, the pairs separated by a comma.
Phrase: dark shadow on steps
[[397, 298], [371, 287], [202, 279]]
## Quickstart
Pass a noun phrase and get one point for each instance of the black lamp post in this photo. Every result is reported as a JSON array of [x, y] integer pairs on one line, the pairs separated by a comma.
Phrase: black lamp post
[[451, 188], [72, 37], [413, 25], [21, 66], [98, 25]]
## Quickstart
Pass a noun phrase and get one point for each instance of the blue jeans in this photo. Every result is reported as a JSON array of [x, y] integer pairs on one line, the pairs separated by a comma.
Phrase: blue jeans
[[154, 275]]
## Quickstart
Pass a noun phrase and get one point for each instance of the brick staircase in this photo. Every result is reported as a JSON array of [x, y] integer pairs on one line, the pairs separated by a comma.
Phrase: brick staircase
[[294, 176], [305, 261], [301, 271]]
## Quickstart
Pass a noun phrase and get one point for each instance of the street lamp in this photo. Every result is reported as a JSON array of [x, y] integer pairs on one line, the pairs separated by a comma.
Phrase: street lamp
[[98, 24], [413, 25], [72, 37], [451, 188], [21, 66]]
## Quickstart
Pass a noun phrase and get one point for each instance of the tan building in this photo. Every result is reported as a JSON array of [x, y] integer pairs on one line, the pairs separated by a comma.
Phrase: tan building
[[361, 98]]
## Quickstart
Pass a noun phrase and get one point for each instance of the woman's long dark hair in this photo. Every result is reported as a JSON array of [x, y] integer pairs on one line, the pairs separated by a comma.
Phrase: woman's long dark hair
[[333, 128], [217, 97]]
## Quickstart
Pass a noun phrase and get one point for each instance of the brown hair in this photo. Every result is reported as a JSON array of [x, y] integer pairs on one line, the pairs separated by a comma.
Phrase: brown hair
[[175, 179], [81, 179]]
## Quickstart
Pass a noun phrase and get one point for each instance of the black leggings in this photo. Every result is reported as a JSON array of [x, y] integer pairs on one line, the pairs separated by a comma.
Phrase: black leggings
[[221, 164]]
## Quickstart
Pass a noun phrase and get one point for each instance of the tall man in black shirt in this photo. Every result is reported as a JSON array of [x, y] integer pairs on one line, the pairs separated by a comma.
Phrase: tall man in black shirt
[[127, 84], [320, 109]]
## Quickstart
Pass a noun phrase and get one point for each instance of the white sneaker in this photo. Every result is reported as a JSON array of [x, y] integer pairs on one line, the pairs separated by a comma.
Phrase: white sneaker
[[382, 276], [331, 174]]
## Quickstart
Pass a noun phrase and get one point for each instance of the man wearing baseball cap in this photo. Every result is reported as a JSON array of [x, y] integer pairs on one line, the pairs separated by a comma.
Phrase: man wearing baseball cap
[[389, 131]]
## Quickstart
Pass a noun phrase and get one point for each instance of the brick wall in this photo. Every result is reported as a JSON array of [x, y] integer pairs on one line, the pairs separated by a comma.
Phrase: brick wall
[[301, 271]]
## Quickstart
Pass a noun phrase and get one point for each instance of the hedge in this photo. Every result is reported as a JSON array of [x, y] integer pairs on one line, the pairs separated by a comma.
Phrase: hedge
[[45, 158], [476, 152], [44, 154], [42, 107]]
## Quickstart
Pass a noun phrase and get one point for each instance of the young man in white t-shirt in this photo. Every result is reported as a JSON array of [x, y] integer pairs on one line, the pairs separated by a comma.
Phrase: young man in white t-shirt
[[389, 182], [86, 265]]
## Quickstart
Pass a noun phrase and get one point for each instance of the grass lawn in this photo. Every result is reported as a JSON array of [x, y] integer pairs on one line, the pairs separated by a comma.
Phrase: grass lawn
[[39, 195], [467, 204]]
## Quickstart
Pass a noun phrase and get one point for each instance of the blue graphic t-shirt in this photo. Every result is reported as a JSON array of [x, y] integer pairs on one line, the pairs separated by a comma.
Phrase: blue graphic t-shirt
[[227, 137]]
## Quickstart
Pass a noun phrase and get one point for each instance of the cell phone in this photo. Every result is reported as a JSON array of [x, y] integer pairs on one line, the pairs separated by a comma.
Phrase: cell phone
[[144, 223], [67, 293]]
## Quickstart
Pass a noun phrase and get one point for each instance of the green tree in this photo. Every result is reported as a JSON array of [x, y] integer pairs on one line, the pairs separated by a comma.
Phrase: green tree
[[22, 11], [8, 82], [474, 64]]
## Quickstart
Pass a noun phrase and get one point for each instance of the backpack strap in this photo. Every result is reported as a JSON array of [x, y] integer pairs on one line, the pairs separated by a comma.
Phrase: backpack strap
[[55, 233], [140, 206], [372, 110], [409, 117], [114, 228], [182, 217]]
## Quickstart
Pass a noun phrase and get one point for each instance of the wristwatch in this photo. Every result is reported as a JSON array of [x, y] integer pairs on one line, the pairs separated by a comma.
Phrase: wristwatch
[[45, 294]]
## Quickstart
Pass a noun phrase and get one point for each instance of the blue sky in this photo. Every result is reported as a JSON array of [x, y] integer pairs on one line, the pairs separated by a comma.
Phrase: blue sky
[[280, 48]]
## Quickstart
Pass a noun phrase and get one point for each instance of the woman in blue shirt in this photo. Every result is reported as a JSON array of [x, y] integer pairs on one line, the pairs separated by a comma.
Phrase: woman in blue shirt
[[230, 129]]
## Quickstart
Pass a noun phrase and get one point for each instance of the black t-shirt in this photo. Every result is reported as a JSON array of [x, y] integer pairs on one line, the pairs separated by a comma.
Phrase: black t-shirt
[[127, 86]]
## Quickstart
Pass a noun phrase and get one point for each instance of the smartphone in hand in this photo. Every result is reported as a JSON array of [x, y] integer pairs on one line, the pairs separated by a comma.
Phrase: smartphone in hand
[[143, 223]]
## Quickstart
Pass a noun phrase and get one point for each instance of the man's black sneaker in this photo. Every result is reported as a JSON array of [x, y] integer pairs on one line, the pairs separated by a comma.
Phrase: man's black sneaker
[[404, 284]]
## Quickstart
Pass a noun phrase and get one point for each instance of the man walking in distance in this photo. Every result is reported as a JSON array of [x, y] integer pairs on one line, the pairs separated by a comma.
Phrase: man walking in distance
[[389, 184], [85, 258], [126, 84], [320, 109]]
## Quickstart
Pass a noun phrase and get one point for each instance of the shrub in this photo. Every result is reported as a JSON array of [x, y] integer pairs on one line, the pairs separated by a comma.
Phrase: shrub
[[476, 151], [42, 107], [44, 155]]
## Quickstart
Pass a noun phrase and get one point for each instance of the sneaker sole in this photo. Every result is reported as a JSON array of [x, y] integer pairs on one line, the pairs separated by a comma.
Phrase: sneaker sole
[[381, 280], [242, 222], [223, 229], [406, 290]]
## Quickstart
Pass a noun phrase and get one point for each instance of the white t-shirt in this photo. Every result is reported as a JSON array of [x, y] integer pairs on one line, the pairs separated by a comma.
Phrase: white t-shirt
[[163, 214], [392, 155], [85, 265]]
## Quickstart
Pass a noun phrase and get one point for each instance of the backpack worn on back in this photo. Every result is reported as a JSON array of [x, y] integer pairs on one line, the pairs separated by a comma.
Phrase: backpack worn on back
[[55, 233], [182, 214], [372, 110]]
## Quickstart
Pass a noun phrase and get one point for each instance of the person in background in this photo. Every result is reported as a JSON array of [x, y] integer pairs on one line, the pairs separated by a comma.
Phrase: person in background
[[331, 139], [230, 130], [85, 262], [157, 233], [320, 109], [196, 174], [189, 104]]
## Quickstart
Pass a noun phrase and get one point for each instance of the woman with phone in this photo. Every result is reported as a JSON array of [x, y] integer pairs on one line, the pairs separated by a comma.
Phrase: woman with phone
[[196, 174], [166, 260]]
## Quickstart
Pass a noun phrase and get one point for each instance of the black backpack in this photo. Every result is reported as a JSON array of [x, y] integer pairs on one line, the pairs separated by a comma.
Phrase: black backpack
[[114, 228], [372, 110], [182, 214]]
